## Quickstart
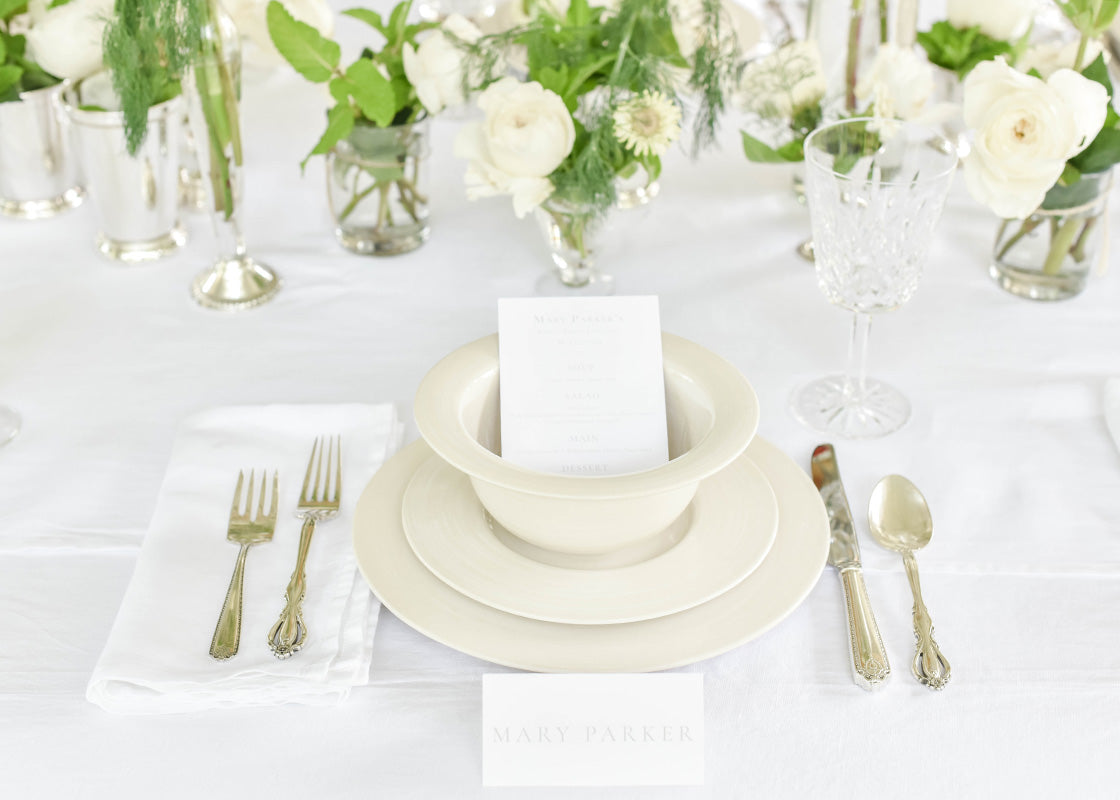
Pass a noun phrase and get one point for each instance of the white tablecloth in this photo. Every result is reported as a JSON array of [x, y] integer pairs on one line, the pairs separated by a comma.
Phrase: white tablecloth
[[1007, 441]]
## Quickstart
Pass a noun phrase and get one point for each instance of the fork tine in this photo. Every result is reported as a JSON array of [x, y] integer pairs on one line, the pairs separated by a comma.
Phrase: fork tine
[[264, 491], [318, 470], [337, 468], [249, 496], [275, 495], [307, 478], [236, 509]]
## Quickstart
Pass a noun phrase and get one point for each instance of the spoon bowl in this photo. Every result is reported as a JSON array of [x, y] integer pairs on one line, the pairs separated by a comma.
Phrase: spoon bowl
[[898, 515]]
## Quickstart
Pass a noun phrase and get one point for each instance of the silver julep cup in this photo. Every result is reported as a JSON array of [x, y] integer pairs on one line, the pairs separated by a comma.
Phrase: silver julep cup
[[135, 198], [39, 174]]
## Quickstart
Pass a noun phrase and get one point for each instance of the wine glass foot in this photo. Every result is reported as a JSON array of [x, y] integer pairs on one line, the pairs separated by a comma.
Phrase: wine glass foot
[[828, 406], [9, 425]]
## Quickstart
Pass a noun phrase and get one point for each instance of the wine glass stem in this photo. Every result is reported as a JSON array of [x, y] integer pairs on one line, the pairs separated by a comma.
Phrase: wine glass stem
[[855, 378]]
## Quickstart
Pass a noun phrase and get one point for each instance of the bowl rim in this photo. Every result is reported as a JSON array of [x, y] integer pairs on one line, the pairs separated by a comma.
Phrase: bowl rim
[[735, 422]]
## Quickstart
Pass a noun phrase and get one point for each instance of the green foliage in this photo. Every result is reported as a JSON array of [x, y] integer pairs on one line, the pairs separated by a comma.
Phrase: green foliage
[[762, 153], [594, 59], [1089, 17], [17, 72], [1104, 151], [148, 45], [362, 92], [959, 50]]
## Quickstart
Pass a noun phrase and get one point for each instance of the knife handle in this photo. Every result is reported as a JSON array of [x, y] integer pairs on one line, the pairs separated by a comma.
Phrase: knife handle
[[869, 658]]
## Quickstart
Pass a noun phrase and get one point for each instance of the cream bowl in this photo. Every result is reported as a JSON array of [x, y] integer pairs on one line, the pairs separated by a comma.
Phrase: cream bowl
[[712, 415]]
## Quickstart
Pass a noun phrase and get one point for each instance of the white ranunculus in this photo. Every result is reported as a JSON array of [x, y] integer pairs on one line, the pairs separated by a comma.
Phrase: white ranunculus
[[780, 83], [435, 68], [66, 41], [1000, 19], [1047, 59], [250, 18], [1025, 131], [527, 133], [899, 83]]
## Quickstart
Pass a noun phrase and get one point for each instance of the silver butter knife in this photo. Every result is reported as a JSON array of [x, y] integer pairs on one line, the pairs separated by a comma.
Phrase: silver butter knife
[[869, 658]]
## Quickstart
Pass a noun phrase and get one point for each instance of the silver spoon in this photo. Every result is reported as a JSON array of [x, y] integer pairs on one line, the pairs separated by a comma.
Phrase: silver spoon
[[900, 520]]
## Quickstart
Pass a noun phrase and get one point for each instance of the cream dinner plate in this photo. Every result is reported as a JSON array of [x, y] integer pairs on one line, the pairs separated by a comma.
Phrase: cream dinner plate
[[756, 604], [723, 535]]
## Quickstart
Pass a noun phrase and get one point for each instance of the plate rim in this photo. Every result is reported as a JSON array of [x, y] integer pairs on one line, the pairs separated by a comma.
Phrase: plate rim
[[605, 641], [755, 557]]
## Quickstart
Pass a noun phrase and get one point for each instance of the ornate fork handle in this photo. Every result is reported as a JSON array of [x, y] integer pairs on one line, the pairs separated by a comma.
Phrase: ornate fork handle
[[930, 667], [227, 633], [289, 633]]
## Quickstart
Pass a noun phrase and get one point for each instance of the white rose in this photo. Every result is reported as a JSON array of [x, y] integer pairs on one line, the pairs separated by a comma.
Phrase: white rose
[[1025, 131], [1047, 59], [435, 68], [66, 41], [783, 82], [526, 135], [1000, 19], [251, 19], [899, 83]]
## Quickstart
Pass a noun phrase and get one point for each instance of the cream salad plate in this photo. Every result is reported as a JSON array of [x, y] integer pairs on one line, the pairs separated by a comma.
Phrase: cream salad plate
[[752, 606], [724, 534]]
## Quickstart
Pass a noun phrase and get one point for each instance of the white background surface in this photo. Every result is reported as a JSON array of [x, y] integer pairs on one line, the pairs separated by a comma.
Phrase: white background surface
[[1007, 441]]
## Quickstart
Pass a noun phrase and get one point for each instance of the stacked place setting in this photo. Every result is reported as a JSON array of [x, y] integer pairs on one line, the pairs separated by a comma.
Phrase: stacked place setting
[[631, 572]]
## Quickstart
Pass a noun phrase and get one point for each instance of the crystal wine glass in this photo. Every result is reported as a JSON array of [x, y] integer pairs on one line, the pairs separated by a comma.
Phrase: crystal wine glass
[[875, 190]]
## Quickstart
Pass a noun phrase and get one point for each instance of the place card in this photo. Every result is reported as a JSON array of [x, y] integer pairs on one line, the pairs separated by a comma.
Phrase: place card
[[593, 730], [582, 384]]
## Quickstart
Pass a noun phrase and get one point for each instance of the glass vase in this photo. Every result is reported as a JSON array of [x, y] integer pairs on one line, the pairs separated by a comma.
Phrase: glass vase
[[848, 34], [39, 175], [1050, 254], [211, 86], [635, 189], [571, 232], [376, 189], [135, 198]]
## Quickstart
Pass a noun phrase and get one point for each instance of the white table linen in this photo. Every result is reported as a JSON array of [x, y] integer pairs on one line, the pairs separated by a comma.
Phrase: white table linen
[[156, 660], [1008, 442]]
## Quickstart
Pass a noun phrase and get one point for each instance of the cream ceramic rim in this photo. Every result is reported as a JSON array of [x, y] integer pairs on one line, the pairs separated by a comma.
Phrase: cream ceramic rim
[[735, 412], [758, 603], [732, 523]]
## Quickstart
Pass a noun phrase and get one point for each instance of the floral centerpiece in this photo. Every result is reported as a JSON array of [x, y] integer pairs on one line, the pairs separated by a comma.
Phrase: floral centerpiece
[[602, 96], [1041, 159], [42, 44], [973, 32], [375, 139]]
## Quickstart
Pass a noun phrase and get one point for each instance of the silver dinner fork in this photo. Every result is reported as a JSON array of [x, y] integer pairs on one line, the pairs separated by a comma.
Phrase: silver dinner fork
[[317, 503], [246, 530]]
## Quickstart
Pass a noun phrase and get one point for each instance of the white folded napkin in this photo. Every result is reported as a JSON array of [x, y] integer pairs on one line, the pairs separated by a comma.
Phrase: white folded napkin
[[157, 657], [1112, 408]]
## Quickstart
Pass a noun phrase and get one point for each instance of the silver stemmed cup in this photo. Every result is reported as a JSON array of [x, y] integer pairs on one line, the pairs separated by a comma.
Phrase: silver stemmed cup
[[875, 190]]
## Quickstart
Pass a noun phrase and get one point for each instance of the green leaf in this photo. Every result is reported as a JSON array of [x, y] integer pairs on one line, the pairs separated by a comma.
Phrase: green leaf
[[340, 121], [3, 50], [1070, 175], [1105, 14], [1098, 71], [371, 18], [960, 49], [762, 153], [310, 54], [398, 19], [9, 77], [372, 92], [9, 8], [1101, 154], [57, 4]]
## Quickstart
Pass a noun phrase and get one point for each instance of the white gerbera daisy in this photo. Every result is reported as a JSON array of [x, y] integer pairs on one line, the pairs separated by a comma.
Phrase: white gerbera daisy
[[648, 123]]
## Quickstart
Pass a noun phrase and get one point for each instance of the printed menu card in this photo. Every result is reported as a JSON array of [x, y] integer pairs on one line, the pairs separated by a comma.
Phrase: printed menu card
[[582, 384]]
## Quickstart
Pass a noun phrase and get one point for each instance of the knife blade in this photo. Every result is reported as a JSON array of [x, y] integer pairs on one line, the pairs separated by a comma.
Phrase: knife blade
[[870, 666]]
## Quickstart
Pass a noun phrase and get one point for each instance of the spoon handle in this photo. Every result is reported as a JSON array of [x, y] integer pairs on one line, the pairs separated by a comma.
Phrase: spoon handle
[[930, 667]]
